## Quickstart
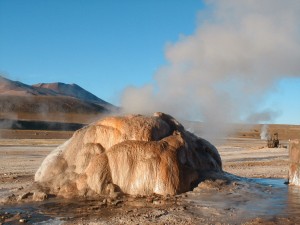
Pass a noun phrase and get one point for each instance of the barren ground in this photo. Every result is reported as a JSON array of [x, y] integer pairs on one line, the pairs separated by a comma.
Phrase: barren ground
[[244, 201]]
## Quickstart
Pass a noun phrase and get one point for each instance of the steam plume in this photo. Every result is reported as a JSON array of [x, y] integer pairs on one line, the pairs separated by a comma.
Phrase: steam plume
[[221, 73], [264, 133]]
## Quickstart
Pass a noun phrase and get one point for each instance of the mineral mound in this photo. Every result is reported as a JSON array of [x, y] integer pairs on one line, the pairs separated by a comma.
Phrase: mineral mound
[[131, 154]]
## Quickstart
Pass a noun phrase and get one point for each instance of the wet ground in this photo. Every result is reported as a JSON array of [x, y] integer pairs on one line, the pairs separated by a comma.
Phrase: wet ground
[[266, 199], [252, 201]]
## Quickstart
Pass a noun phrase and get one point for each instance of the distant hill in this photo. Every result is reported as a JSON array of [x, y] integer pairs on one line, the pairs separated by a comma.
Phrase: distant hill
[[72, 90], [16, 88], [53, 102]]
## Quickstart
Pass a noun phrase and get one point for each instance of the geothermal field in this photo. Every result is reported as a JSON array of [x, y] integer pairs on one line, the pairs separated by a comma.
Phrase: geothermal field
[[132, 183], [185, 135], [65, 159]]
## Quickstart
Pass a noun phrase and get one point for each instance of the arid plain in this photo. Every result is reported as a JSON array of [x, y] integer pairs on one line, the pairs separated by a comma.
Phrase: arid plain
[[257, 196]]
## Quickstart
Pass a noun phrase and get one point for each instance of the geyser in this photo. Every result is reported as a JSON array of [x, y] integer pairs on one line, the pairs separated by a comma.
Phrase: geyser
[[131, 154]]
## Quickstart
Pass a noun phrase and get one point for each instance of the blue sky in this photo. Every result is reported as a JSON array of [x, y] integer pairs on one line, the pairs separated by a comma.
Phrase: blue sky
[[105, 46], [101, 45]]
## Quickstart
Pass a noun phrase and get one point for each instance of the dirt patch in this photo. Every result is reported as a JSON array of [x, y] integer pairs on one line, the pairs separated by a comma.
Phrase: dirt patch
[[34, 134], [251, 158]]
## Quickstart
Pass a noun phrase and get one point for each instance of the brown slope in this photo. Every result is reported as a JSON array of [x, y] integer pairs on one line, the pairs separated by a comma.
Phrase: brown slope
[[72, 90], [20, 101], [49, 108], [9, 87]]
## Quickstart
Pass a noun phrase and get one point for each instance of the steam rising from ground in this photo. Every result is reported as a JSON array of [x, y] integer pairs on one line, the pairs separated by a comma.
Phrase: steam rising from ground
[[221, 73], [264, 133]]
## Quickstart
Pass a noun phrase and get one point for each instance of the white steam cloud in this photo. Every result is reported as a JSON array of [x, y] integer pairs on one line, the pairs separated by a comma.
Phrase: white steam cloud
[[264, 133], [221, 73]]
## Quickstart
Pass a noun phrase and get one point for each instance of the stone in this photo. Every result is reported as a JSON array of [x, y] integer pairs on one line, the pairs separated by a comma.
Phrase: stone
[[133, 154], [115, 195], [39, 196], [24, 196]]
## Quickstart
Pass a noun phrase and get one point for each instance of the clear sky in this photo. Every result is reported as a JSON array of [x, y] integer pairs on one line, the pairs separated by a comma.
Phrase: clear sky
[[102, 46], [107, 45]]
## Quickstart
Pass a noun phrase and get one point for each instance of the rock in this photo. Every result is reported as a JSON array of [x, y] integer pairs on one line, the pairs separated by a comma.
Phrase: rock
[[115, 195], [159, 202], [116, 202], [24, 196], [134, 154], [102, 204], [137, 203], [39, 196], [149, 199], [22, 220]]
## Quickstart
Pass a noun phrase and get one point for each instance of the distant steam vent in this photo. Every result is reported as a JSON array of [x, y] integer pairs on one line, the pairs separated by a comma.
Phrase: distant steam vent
[[264, 133]]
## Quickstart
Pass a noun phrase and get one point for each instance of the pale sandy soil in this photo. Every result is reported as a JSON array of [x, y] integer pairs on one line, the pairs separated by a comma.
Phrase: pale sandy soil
[[218, 202], [19, 159], [251, 158]]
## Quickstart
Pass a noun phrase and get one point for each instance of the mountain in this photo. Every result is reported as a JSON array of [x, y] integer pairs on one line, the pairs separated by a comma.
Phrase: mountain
[[72, 90], [54, 102], [9, 87]]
